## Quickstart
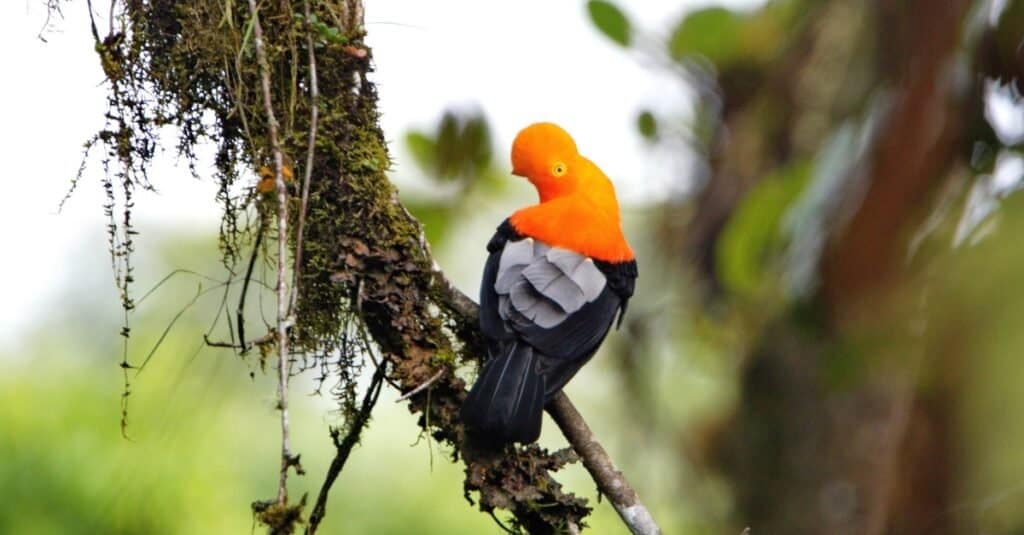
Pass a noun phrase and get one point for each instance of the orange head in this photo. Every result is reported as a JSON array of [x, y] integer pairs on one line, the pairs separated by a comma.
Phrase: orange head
[[578, 208], [546, 155]]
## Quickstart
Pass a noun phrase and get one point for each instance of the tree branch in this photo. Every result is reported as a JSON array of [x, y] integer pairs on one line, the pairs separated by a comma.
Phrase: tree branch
[[344, 446], [609, 479], [426, 384], [283, 368], [240, 312], [314, 111]]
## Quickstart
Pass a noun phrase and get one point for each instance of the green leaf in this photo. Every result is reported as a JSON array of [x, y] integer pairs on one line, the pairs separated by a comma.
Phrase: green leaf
[[647, 124], [610, 20], [423, 150], [436, 219], [713, 32], [449, 147], [747, 250], [476, 138], [459, 149]]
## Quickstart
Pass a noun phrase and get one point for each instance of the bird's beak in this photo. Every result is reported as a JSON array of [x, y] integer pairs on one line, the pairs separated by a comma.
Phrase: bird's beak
[[518, 172]]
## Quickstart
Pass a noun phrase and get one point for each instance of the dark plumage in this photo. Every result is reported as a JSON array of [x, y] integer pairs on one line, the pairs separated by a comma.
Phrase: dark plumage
[[544, 311]]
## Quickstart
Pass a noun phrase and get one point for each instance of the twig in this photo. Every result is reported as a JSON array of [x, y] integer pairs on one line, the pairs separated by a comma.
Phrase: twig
[[426, 384], [167, 329], [92, 21], [609, 479], [265, 339], [287, 459], [314, 105], [457, 301], [344, 447], [240, 313], [500, 523]]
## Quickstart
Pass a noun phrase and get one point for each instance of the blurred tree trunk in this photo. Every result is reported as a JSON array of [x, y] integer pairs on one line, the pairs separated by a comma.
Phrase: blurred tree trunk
[[810, 449]]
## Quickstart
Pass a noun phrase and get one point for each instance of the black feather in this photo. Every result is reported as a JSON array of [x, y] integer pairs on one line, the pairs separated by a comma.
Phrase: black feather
[[528, 364], [507, 401]]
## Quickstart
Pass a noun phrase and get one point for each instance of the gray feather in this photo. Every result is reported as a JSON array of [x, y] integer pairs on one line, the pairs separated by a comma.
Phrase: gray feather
[[543, 276], [515, 257], [589, 279], [543, 285], [534, 306], [508, 277], [517, 253], [551, 283], [566, 260], [539, 248], [547, 315]]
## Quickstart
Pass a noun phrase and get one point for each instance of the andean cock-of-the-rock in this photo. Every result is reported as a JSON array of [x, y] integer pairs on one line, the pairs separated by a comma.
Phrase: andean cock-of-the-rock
[[558, 274]]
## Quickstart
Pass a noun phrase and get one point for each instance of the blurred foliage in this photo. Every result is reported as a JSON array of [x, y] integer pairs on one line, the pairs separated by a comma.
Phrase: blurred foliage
[[456, 158], [751, 243], [787, 128], [608, 18], [973, 337], [647, 125], [1001, 60], [713, 32], [728, 37], [460, 149]]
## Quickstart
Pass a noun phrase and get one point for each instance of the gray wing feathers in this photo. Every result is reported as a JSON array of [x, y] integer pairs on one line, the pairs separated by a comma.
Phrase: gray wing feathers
[[589, 279], [533, 306], [550, 282], [516, 256], [543, 285], [580, 269]]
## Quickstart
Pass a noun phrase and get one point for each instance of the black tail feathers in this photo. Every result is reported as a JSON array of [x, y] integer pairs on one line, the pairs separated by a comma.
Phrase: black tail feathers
[[507, 402]]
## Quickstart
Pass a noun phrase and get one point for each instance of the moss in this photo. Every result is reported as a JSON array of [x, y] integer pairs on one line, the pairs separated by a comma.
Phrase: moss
[[281, 519]]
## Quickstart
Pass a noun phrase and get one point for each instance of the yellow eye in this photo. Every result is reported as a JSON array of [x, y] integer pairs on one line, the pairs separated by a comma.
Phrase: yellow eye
[[558, 169]]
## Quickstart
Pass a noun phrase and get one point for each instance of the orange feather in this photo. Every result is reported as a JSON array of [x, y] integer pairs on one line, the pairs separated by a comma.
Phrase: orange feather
[[578, 209]]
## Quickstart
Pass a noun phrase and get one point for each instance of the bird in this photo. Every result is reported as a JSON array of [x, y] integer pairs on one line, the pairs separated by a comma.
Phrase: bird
[[557, 275]]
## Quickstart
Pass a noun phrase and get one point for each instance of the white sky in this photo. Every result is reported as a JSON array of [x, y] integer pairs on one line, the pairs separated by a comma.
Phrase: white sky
[[519, 61]]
